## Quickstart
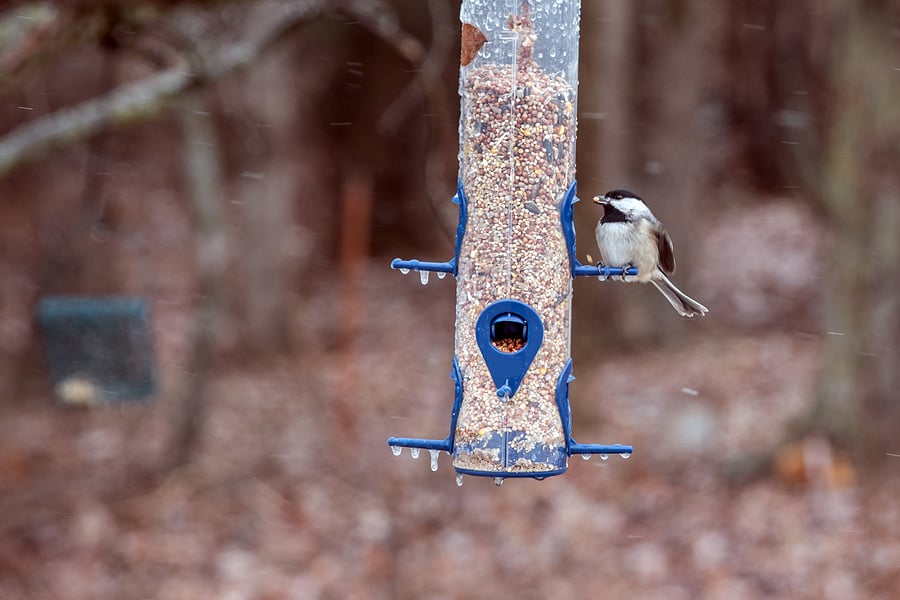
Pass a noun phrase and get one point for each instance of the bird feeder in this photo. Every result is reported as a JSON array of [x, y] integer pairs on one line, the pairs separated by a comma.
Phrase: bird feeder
[[514, 257], [99, 349]]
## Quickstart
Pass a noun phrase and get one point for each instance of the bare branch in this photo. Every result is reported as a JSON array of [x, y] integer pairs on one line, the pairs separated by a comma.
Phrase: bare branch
[[378, 17], [38, 32], [128, 103], [267, 21]]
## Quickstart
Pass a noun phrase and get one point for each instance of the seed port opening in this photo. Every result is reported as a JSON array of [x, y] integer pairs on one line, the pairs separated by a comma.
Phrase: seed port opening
[[509, 332]]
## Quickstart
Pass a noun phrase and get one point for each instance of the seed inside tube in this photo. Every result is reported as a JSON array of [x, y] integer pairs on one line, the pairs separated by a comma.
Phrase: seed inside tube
[[509, 344], [517, 130]]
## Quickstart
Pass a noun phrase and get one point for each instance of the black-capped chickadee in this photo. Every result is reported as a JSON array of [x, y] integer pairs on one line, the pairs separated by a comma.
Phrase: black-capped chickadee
[[629, 235]]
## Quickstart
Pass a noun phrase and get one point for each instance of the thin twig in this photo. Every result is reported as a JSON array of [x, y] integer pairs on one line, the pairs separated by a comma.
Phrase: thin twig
[[149, 96], [379, 18], [428, 74]]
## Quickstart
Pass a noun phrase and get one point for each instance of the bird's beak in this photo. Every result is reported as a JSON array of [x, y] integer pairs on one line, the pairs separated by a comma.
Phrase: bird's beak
[[601, 200]]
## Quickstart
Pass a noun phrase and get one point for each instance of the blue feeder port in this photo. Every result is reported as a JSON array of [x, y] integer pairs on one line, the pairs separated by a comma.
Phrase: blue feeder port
[[499, 321]]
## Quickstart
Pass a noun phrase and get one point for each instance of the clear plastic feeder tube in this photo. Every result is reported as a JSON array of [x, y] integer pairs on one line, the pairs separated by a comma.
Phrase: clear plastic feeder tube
[[517, 160]]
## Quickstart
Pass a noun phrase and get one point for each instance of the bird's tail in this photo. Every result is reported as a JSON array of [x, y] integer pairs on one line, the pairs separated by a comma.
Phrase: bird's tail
[[681, 302]]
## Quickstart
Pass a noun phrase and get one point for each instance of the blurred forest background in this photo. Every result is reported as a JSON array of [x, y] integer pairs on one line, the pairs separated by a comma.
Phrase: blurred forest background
[[250, 168]]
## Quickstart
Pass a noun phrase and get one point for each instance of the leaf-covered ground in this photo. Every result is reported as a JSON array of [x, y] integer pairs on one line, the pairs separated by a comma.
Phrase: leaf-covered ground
[[294, 493]]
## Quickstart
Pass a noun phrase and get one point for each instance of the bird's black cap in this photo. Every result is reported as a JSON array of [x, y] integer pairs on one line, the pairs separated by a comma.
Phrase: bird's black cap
[[619, 193]]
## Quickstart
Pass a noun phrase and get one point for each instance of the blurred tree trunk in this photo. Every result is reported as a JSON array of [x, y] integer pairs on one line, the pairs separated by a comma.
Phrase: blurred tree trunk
[[203, 179], [652, 138], [609, 152], [859, 187], [671, 132], [621, 79], [272, 172], [355, 241]]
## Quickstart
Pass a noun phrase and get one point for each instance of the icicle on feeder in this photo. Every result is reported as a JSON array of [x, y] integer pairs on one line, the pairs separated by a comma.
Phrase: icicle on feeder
[[514, 257]]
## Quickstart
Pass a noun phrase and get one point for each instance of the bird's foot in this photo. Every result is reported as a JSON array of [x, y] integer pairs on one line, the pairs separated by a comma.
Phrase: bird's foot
[[625, 275]]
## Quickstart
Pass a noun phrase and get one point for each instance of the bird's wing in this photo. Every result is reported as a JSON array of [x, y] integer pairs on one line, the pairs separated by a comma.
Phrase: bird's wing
[[666, 251]]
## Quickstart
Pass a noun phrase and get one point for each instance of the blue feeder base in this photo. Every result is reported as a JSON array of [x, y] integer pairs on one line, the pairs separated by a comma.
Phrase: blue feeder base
[[504, 444]]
